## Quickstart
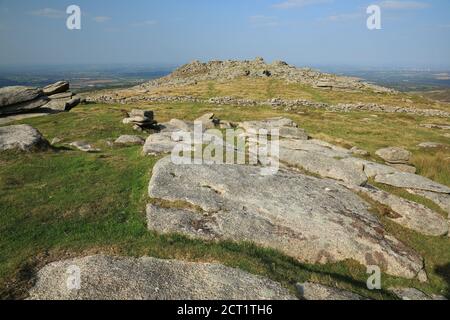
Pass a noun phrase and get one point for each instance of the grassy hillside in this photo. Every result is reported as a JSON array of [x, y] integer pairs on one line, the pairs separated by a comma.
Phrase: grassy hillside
[[66, 203], [266, 88]]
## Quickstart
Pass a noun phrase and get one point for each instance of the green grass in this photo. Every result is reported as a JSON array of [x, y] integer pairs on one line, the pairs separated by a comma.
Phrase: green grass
[[66, 203]]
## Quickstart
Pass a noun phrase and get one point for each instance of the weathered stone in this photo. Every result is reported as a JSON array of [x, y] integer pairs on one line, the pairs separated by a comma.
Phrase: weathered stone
[[412, 294], [22, 137], [408, 214], [431, 145], [299, 215], [208, 121], [62, 105], [24, 106], [411, 181], [315, 146], [404, 168], [130, 140], [394, 155], [317, 292], [64, 95], [72, 103], [324, 166], [293, 133], [148, 114], [17, 94], [55, 88], [159, 143], [181, 125], [84, 146], [268, 124], [359, 152], [116, 278], [441, 199]]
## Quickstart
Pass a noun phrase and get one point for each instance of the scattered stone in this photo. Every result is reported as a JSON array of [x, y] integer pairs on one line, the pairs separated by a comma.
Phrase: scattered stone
[[285, 211], [181, 125], [159, 143], [431, 145], [84, 146], [359, 152], [55, 88], [411, 181], [22, 137], [436, 126], [394, 155], [142, 113], [404, 168], [116, 278], [408, 214], [130, 140], [208, 121], [317, 292], [412, 294], [141, 120]]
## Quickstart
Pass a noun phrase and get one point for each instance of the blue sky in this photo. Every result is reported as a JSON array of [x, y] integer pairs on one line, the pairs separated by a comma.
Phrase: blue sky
[[302, 32]]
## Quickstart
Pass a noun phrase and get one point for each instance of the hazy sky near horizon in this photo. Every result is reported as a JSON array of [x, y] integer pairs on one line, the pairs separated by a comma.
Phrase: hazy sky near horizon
[[303, 32]]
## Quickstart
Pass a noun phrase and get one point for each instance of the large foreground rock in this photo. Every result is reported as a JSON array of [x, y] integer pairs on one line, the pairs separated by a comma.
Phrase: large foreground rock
[[22, 137], [113, 278], [411, 181], [310, 219], [17, 94]]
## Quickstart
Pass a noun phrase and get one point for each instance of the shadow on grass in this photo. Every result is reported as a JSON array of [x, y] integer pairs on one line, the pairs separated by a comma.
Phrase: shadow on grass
[[444, 272]]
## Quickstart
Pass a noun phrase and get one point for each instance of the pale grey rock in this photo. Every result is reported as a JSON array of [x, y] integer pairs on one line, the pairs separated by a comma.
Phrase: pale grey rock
[[55, 88], [404, 168], [441, 199], [55, 140], [324, 166], [130, 140], [359, 152], [412, 294], [159, 143], [64, 95], [411, 181], [431, 145], [273, 123], [17, 94], [293, 133], [148, 114], [436, 126], [84, 146], [24, 106], [316, 146], [408, 214], [61, 105], [136, 120], [182, 125], [208, 121], [394, 155], [120, 278], [299, 215], [72, 103], [318, 292], [22, 137]]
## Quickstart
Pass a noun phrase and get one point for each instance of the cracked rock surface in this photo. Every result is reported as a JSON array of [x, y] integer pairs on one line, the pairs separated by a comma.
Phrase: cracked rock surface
[[313, 220]]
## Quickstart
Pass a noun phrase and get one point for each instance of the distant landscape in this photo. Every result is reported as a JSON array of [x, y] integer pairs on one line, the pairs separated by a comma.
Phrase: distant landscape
[[84, 78]]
